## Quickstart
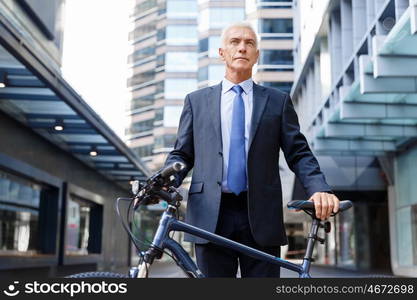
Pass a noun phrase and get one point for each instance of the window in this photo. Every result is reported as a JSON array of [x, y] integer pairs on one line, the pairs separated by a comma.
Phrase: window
[[214, 45], [275, 26], [216, 72], [27, 212], [172, 116], [141, 78], [203, 45], [181, 35], [144, 6], [211, 44], [142, 30], [141, 126], [143, 151], [165, 141], [212, 73], [141, 54], [177, 88], [203, 73], [84, 223], [283, 86], [181, 62], [142, 102], [219, 17], [276, 57], [181, 9]]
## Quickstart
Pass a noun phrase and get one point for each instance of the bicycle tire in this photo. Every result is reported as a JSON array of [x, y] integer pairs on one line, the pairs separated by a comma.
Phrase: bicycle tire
[[97, 275]]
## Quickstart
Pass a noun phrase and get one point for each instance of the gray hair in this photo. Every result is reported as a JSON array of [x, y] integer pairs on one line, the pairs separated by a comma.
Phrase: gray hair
[[243, 24]]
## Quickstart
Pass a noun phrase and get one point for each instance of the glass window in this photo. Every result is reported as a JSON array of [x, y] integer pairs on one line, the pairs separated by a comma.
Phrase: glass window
[[141, 78], [143, 151], [141, 54], [142, 30], [177, 88], [276, 57], [181, 35], [181, 62], [283, 86], [23, 204], [214, 45], [83, 218], [144, 6], [203, 45], [220, 17], [184, 9], [165, 141], [346, 245], [216, 72], [203, 73], [172, 116], [141, 126], [275, 26], [142, 102]]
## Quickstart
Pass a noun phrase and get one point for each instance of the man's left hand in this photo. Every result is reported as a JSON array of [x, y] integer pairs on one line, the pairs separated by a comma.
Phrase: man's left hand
[[324, 204]]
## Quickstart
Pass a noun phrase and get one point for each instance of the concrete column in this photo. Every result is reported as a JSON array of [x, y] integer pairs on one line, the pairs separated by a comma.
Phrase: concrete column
[[370, 12], [359, 21], [335, 45], [400, 8], [347, 30]]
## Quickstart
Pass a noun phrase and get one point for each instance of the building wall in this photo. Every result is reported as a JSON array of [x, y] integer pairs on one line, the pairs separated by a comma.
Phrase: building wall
[[43, 22], [332, 66], [27, 147]]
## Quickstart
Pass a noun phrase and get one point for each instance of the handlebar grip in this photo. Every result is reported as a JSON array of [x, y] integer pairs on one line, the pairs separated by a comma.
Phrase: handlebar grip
[[172, 169]]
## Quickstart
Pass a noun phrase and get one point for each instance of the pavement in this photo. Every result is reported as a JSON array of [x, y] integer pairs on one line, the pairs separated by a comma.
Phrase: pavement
[[168, 269]]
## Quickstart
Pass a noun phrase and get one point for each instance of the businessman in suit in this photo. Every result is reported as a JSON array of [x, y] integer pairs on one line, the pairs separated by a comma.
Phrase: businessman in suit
[[231, 134]]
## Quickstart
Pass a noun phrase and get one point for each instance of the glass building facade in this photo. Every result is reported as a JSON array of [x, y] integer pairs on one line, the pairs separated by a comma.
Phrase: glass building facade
[[274, 22], [164, 69], [212, 18]]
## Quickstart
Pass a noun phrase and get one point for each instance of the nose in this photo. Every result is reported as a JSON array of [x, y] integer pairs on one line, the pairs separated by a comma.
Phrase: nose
[[242, 47]]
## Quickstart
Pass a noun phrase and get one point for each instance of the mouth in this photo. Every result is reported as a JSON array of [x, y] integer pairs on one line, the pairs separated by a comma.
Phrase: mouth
[[242, 58]]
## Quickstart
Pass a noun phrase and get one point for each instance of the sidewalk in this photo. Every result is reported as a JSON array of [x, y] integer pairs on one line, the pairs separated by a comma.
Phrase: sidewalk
[[168, 269]]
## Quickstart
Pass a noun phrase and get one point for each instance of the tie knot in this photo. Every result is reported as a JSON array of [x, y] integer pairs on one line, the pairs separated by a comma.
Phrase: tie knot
[[237, 89]]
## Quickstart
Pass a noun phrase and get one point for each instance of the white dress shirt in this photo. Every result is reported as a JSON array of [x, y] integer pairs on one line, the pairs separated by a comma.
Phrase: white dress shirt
[[226, 112]]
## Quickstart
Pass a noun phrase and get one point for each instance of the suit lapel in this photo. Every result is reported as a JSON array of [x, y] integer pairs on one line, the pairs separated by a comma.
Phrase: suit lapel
[[213, 104], [260, 98]]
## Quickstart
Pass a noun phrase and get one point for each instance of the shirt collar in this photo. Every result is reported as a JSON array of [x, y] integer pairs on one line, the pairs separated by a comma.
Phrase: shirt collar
[[246, 85]]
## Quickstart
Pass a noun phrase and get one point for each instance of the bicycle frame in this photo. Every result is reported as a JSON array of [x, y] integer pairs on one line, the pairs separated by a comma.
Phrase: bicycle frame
[[169, 223]]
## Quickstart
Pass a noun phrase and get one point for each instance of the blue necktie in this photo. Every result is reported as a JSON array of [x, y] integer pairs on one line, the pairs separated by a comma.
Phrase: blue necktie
[[236, 172]]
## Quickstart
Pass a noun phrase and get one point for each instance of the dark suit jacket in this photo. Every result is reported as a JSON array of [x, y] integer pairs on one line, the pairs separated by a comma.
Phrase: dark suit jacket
[[274, 125]]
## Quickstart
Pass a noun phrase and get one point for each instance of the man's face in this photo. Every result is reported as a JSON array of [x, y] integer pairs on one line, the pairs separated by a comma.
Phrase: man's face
[[239, 51]]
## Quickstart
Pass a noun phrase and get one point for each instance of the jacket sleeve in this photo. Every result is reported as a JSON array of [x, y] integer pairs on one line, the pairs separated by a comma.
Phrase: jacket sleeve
[[297, 153], [184, 145]]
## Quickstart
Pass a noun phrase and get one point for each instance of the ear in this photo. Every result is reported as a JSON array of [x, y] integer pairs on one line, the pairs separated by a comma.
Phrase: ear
[[221, 54]]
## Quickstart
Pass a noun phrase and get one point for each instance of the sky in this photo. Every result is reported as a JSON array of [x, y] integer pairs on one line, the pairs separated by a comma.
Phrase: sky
[[95, 54]]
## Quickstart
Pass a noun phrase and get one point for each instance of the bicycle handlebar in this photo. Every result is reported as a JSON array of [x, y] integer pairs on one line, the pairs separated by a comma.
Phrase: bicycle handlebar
[[172, 169]]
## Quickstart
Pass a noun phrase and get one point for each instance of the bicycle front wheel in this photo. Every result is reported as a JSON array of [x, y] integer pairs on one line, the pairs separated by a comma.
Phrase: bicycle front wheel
[[97, 275]]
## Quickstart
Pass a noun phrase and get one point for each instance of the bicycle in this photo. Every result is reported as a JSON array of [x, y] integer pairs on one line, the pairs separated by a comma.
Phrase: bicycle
[[160, 186]]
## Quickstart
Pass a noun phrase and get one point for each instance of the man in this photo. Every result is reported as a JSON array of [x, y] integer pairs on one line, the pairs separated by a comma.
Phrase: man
[[231, 134]]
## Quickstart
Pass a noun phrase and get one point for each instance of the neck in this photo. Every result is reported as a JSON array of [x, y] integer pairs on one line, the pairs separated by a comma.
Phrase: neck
[[238, 76]]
